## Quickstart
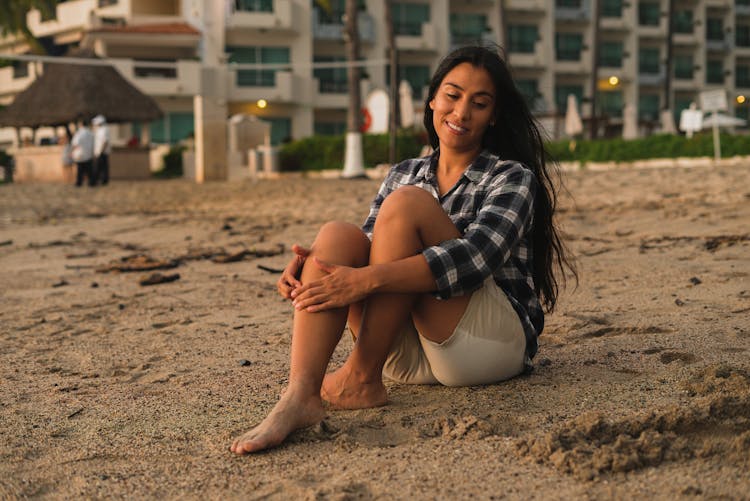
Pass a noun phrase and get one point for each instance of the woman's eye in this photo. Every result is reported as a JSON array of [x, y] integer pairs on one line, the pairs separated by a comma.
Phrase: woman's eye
[[481, 106], [452, 96]]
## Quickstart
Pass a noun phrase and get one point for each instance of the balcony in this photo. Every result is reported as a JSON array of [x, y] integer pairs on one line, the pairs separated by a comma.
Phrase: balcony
[[687, 84], [288, 88], [526, 5], [140, 12], [280, 20], [615, 24], [651, 79], [11, 81], [690, 39], [426, 41], [724, 45], [529, 60], [488, 37], [181, 78], [572, 67], [330, 95], [654, 31], [574, 14], [335, 31], [70, 17]]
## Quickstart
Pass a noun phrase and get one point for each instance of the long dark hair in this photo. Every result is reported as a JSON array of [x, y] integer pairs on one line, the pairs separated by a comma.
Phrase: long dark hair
[[515, 135]]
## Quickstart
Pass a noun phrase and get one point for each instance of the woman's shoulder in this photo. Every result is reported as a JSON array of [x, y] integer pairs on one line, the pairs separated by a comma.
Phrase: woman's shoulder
[[498, 169], [411, 166]]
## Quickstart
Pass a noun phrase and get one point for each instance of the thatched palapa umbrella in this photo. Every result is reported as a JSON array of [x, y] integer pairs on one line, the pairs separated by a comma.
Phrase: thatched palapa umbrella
[[65, 92]]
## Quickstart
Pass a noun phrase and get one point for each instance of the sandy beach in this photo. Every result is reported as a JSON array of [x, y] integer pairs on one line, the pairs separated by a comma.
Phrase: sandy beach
[[113, 389]]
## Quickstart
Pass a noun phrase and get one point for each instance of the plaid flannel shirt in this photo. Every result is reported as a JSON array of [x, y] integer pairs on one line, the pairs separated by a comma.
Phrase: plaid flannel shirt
[[492, 207]]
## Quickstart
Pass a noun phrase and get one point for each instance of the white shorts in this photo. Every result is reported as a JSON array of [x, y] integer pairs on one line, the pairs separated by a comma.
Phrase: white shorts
[[487, 346]]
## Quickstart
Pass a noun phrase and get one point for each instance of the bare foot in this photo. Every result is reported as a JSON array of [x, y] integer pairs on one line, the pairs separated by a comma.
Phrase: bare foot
[[289, 414], [345, 391]]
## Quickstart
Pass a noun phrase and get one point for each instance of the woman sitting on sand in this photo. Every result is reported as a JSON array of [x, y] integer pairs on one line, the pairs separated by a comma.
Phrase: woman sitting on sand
[[446, 280]]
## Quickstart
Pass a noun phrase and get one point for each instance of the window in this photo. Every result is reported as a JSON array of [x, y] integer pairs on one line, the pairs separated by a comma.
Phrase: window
[[648, 13], [263, 55], [20, 69], [610, 103], [418, 77], [171, 128], [742, 35], [714, 71], [467, 28], [169, 70], [682, 21], [253, 5], [610, 54], [529, 90], [576, 4], [568, 46], [561, 95], [648, 106], [329, 128], [612, 8], [680, 103], [742, 112], [742, 75], [522, 38], [331, 80], [336, 14], [281, 129], [714, 29], [683, 66], [648, 60], [409, 17]]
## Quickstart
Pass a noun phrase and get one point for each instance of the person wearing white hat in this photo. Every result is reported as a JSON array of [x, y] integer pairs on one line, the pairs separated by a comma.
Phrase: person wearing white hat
[[82, 152], [102, 149]]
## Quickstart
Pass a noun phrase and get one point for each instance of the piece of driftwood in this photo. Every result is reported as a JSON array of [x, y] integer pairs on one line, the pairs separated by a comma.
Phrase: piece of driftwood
[[139, 262], [231, 258], [158, 278], [253, 251], [269, 269]]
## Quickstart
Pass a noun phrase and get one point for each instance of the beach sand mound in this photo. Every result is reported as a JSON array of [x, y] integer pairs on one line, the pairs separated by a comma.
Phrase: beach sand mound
[[715, 423]]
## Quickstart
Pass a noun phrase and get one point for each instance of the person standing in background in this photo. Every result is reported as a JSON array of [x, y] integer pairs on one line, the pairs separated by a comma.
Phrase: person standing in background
[[102, 149], [82, 152]]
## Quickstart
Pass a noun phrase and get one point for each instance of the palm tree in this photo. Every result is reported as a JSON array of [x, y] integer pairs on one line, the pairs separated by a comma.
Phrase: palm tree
[[13, 19], [353, 156], [393, 94]]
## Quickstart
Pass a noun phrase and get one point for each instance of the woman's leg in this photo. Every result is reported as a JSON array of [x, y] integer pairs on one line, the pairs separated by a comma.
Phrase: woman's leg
[[410, 220], [314, 337]]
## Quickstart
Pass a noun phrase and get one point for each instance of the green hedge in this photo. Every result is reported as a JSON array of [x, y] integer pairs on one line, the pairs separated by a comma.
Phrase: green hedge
[[327, 152], [657, 146], [172, 163], [5, 161]]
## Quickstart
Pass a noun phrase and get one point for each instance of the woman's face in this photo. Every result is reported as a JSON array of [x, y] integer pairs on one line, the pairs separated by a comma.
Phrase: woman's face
[[463, 108]]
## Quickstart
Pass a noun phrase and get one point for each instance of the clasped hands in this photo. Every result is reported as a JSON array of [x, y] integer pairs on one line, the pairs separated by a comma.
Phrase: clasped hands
[[339, 286]]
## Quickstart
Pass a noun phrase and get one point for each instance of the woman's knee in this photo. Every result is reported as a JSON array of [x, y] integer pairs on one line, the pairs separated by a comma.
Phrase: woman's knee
[[408, 197], [343, 243]]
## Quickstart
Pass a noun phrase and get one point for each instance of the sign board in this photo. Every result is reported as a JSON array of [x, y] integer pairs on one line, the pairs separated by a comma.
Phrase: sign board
[[714, 100], [691, 120], [378, 105]]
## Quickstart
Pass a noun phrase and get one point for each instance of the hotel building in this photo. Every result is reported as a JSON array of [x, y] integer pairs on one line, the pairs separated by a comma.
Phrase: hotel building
[[175, 50]]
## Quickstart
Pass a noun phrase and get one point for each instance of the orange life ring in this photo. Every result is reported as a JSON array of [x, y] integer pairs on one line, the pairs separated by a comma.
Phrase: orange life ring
[[366, 120]]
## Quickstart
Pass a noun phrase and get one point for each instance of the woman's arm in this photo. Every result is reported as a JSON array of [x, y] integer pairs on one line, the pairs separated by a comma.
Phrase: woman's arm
[[344, 285]]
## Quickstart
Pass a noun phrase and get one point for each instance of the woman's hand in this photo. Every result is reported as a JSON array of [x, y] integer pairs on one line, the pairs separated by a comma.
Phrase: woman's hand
[[341, 286], [289, 280]]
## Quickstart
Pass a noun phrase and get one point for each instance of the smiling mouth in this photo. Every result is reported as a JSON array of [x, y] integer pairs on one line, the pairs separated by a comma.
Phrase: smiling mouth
[[456, 128]]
